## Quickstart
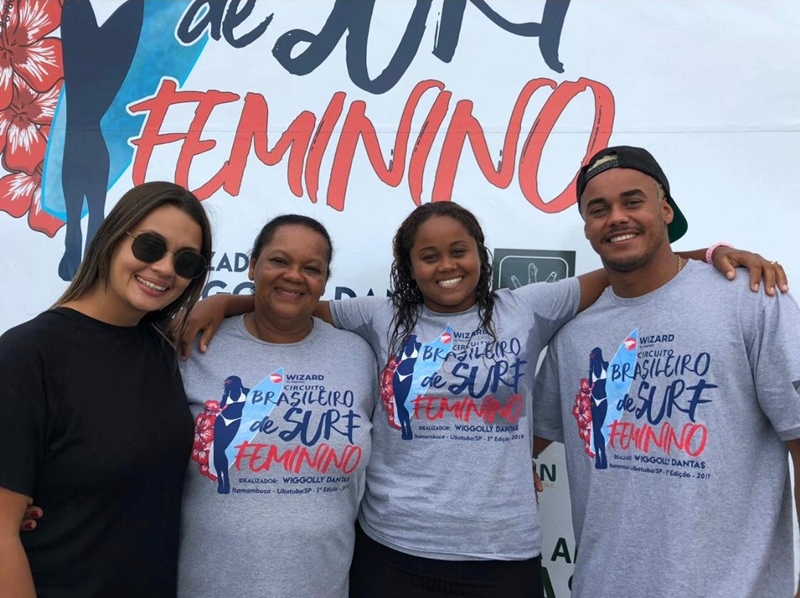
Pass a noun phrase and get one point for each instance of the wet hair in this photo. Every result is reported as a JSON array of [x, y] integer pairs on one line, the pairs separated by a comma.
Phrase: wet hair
[[406, 296], [270, 228], [133, 207]]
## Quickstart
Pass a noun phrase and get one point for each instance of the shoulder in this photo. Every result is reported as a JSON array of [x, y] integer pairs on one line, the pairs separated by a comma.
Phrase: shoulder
[[336, 339], [365, 316], [537, 293], [362, 305], [696, 272], [710, 289], [231, 327], [549, 304], [231, 332], [41, 347], [47, 329]]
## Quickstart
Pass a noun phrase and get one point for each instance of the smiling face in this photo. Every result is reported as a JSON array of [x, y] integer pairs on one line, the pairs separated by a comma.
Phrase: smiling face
[[624, 219], [289, 274], [445, 264], [135, 288]]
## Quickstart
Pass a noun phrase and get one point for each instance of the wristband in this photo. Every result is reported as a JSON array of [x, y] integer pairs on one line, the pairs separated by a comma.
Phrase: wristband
[[710, 251]]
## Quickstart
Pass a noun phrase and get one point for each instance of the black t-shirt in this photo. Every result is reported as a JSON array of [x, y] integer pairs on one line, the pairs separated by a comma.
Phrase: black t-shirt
[[94, 424]]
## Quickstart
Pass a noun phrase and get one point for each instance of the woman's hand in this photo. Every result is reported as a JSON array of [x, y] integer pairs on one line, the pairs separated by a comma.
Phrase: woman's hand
[[727, 259], [31, 516], [205, 317], [537, 481]]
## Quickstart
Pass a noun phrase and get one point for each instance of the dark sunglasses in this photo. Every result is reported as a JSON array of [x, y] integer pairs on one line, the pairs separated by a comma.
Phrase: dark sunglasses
[[150, 248]]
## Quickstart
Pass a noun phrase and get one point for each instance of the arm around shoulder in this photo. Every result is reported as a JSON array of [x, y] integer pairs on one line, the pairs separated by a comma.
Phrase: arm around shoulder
[[15, 573], [539, 444], [726, 259], [592, 286], [206, 317], [323, 312]]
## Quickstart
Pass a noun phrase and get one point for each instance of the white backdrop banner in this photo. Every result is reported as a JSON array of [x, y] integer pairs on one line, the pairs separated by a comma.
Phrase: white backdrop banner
[[356, 111]]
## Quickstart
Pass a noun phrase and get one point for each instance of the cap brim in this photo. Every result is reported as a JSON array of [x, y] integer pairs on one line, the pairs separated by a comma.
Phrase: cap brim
[[678, 227]]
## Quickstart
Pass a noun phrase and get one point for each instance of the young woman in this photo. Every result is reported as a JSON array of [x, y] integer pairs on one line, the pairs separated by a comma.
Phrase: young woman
[[283, 404], [449, 507], [94, 419]]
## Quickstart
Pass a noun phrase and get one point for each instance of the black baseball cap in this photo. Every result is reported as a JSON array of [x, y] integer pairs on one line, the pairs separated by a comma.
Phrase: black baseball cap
[[637, 158]]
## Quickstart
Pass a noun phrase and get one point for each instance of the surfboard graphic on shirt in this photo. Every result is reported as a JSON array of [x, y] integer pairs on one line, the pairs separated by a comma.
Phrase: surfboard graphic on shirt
[[408, 375], [599, 402], [617, 387], [261, 400], [432, 355]]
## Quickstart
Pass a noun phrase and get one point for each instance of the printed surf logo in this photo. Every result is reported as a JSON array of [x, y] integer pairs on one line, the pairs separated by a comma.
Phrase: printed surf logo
[[408, 375], [53, 123], [233, 420], [599, 401]]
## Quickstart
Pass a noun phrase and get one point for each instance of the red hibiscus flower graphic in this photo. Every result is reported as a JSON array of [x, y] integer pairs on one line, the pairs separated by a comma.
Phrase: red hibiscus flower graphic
[[20, 193], [582, 412], [23, 139], [387, 391], [204, 437], [25, 50], [31, 71]]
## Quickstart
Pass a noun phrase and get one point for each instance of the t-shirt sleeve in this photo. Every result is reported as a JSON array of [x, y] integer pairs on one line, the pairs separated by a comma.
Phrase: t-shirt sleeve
[[375, 390], [551, 304], [547, 421], [368, 317], [22, 411], [349, 314], [775, 360]]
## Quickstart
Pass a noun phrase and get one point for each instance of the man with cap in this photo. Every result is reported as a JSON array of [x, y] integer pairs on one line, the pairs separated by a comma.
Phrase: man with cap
[[688, 387]]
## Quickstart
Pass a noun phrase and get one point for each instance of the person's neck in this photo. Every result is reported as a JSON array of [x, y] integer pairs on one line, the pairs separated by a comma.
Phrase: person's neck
[[646, 279], [282, 333], [96, 305]]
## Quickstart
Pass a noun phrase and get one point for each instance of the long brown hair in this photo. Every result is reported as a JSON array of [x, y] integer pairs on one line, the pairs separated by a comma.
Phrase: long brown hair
[[132, 208]]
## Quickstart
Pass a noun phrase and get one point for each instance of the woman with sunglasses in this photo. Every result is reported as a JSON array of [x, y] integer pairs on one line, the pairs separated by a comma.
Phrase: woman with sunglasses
[[93, 416]]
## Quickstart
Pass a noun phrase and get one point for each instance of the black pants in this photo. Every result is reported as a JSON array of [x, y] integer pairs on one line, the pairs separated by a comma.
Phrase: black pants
[[381, 572]]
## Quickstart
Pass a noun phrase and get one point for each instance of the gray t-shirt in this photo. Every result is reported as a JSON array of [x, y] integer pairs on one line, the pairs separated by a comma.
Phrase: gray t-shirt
[[683, 490], [282, 438], [450, 475]]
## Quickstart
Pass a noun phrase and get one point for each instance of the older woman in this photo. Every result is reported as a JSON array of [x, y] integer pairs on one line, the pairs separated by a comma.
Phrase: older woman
[[283, 405], [93, 417]]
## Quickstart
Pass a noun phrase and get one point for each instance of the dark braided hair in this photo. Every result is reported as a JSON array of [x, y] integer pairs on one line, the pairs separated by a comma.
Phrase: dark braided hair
[[406, 296]]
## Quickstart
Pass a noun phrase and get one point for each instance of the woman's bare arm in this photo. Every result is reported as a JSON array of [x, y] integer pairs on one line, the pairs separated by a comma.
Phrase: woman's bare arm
[[15, 572]]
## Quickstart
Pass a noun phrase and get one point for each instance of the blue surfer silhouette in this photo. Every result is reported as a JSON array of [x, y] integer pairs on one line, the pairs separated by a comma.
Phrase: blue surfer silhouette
[[598, 372], [402, 380], [416, 364], [96, 61], [234, 398], [261, 400]]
